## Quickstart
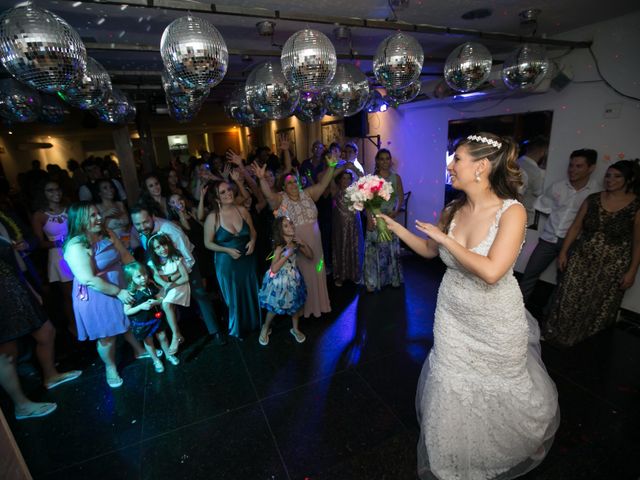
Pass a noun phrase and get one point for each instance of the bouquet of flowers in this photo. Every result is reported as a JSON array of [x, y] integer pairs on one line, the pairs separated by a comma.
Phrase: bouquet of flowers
[[371, 192]]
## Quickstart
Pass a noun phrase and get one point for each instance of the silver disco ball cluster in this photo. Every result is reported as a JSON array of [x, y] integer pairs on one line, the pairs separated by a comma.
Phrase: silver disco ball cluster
[[311, 107], [91, 90], [18, 103], [194, 53], [184, 103], [308, 60], [525, 67], [52, 110], [468, 66], [348, 92], [268, 92], [40, 49], [398, 61], [239, 109], [117, 109], [403, 95]]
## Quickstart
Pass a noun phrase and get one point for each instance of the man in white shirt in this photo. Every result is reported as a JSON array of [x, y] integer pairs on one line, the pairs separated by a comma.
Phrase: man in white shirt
[[561, 202], [535, 155], [351, 155], [145, 226]]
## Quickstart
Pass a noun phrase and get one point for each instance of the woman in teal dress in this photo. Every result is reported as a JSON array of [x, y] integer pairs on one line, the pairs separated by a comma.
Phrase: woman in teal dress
[[229, 232], [382, 259]]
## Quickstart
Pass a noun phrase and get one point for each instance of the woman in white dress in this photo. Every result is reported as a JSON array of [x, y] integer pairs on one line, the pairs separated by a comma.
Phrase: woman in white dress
[[486, 406]]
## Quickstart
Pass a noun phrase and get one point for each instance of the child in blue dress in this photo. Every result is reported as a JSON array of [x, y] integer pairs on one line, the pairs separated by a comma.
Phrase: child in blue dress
[[146, 315], [283, 290]]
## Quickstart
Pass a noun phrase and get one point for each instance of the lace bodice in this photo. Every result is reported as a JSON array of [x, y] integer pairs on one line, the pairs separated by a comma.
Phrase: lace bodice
[[300, 212]]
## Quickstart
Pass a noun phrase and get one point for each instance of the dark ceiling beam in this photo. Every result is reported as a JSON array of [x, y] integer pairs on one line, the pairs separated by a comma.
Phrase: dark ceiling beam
[[229, 10]]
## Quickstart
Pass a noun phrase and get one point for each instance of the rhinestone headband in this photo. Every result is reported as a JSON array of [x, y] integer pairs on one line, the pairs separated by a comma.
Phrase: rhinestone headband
[[488, 141]]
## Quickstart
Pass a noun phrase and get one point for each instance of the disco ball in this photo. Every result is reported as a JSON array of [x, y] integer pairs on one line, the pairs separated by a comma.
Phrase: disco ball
[[311, 107], [467, 67], [18, 103], [376, 103], [40, 49], [52, 110], [194, 52], [308, 60], [403, 95], [115, 110], [348, 92], [186, 98], [398, 61], [268, 92], [240, 110], [181, 114], [91, 90], [526, 67]]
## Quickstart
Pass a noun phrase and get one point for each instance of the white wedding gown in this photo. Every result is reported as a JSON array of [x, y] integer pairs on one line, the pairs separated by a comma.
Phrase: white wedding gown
[[486, 406]]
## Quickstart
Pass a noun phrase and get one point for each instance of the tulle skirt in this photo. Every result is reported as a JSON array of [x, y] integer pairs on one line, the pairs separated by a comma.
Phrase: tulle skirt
[[493, 430]]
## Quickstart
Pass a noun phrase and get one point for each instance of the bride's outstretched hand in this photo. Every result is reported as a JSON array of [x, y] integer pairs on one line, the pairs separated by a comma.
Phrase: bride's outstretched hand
[[392, 225], [432, 231]]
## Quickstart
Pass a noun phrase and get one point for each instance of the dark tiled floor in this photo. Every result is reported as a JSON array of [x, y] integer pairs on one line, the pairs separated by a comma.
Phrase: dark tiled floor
[[340, 406]]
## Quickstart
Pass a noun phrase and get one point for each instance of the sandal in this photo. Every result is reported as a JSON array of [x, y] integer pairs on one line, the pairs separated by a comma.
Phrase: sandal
[[157, 364], [147, 355], [173, 349], [38, 410], [173, 360], [63, 378], [299, 336], [114, 381]]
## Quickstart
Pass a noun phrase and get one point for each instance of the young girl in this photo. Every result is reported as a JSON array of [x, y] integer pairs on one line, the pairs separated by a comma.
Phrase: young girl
[[170, 273], [283, 290], [145, 314]]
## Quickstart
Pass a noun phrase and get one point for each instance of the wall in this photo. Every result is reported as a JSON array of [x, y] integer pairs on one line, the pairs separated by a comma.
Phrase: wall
[[416, 133]]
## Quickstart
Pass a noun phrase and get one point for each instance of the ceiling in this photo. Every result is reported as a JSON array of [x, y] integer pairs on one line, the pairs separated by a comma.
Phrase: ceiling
[[125, 36]]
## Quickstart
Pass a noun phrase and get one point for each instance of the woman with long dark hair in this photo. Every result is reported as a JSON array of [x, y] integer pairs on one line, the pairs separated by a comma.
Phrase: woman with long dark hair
[[382, 259], [486, 405], [603, 243], [229, 232], [153, 197], [49, 223]]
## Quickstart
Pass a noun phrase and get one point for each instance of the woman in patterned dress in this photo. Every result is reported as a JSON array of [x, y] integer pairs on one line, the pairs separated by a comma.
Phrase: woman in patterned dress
[[603, 243]]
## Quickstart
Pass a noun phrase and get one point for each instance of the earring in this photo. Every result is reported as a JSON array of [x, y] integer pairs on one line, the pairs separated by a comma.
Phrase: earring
[[477, 177]]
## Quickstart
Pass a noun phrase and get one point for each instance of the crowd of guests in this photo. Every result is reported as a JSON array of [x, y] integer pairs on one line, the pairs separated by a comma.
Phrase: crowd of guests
[[246, 239], [252, 239]]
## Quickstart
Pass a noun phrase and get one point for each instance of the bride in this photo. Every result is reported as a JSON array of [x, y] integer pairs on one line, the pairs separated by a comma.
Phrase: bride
[[486, 406]]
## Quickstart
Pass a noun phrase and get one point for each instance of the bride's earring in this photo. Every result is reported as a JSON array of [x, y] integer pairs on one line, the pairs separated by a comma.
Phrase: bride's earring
[[477, 177]]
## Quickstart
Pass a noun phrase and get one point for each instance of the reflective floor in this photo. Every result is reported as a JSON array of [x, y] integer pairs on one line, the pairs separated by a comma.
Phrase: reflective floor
[[340, 406]]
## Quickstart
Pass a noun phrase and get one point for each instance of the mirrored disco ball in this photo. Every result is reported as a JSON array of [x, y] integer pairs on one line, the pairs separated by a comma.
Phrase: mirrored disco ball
[[91, 90], [181, 96], [311, 107], [404, 95], [308, 60], [376, 103], [52, 110], [180, 113], [115, 110], [40, 49], [18, 103], [468, 66], [398, 61], [194, 53], [268, 92], [348, 92], [525, 67], [242, 111]]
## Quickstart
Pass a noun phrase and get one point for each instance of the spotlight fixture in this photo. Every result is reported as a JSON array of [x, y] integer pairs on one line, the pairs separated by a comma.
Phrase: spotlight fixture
[[399, 4], [529, 16], [266, 28]]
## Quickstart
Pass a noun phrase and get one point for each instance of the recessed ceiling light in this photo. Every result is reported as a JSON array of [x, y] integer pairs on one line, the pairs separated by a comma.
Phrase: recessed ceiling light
[[477, 13]]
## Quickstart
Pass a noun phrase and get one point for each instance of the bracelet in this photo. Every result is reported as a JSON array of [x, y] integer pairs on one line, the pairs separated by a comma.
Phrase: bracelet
[[332, 164]]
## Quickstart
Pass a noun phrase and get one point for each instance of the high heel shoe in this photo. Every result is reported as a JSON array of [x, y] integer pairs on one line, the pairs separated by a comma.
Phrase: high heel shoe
[[175, 344]]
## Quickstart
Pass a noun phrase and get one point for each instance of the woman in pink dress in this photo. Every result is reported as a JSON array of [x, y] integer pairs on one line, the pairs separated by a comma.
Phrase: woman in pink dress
[[299, 206]]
